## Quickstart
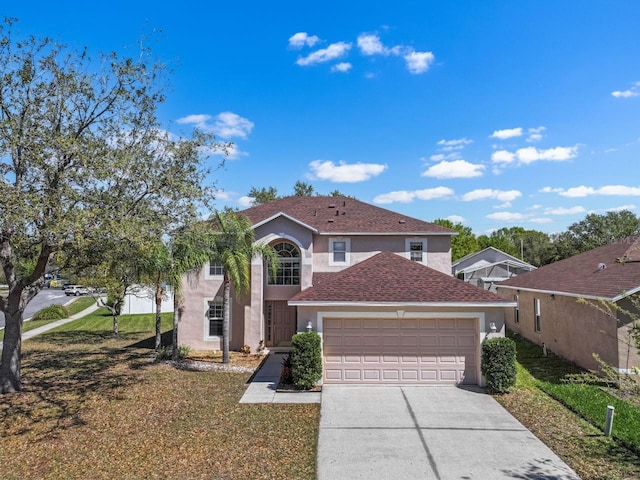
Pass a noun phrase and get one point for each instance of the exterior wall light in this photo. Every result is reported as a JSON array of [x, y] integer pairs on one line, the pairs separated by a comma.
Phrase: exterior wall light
[[309, 326]]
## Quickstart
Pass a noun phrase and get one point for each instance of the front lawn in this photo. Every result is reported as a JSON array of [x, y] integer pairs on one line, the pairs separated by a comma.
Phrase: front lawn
[[97, 407], [578, 441]]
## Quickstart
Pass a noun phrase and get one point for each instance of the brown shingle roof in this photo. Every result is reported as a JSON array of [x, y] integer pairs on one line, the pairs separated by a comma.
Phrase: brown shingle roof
[[329, 214], [582, 274], [390, 278]]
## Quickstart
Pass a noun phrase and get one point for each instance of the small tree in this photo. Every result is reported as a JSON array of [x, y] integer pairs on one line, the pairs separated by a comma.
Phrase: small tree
[[499, 364]]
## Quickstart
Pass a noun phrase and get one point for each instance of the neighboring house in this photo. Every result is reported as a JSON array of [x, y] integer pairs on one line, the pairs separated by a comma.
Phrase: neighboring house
[[375, 284], [488, 267], [549, 312]]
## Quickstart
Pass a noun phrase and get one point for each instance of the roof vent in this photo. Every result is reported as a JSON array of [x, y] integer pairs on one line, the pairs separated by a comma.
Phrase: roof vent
[[330, 220], [402, 221], [602, 266], [332, 205]]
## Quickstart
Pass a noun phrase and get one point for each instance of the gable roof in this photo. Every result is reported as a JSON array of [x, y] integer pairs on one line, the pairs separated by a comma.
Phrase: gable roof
[[610, 272], [388, 278], [508, 259], [328, 214]]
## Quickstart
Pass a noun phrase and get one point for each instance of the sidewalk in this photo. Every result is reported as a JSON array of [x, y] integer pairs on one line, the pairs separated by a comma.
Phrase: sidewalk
[[57, 323], [262, 388]]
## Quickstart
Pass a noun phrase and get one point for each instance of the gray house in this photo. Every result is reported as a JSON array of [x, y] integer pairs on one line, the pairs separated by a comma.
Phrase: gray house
[[488, 267]]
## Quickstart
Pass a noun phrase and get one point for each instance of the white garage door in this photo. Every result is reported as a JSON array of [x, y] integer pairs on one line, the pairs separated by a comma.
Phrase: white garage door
[[415, 350]]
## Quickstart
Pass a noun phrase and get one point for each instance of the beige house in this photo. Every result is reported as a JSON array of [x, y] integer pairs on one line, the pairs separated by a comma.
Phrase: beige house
[[375, 284], [560, 305]]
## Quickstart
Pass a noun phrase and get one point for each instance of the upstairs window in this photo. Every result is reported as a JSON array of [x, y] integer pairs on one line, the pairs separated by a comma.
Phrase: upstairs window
[[339, 251], [216, 269], [516, 310], [289, 268], [415, 250]]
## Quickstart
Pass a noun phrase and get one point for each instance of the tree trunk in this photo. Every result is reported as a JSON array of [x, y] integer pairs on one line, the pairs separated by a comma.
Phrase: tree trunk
[[225, 321], [159, 292], [115, 322], [12, 344]]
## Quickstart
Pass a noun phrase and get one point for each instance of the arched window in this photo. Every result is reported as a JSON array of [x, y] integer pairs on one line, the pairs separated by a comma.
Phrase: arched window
[[289, 269]]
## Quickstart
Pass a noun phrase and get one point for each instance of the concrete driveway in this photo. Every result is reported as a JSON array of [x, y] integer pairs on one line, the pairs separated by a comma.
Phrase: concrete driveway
[[439, 433]]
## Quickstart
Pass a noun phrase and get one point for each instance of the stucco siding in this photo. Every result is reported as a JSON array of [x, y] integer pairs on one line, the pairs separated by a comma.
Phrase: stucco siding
[[568, 328], [362, 247], [192, 329]]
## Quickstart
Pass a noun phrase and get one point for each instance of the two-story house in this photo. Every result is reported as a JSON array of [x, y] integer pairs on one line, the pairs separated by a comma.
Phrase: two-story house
[[375, 284]]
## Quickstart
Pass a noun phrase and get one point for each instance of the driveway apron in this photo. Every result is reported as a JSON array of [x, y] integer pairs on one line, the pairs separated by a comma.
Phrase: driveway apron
[[426, 432]]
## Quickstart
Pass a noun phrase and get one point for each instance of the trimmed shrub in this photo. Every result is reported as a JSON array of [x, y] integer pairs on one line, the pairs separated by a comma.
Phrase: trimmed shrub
[[499, 364], [306, 360], [52, 312]]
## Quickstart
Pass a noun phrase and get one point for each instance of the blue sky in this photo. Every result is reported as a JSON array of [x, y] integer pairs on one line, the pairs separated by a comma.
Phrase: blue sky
[[492, 113]]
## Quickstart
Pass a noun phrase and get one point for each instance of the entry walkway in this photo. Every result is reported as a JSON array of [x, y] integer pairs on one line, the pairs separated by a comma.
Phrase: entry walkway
[[264, 383]]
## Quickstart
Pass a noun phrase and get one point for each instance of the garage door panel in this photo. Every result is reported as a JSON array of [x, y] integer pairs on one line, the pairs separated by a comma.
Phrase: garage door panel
[[420, 350], [447, 323]]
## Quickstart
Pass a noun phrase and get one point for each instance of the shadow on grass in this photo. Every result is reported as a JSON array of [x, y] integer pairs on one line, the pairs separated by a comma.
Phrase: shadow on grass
[[61, 372], [551, 368], [150, 343]]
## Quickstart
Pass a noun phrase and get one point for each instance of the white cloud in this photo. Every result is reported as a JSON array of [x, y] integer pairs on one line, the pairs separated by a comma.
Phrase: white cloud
[[333, 51], [487, 193], [431, 193], [551, 190], [564, 210], [507, 216], [535, 134], [456, 144], [222, 195], [507, 133], [418, 62], [341, 67], [634, 91], [540, 220], [343, 172], [455, 219], [231, 151], [502, 156], [400, 196], [245, 201], [370, 44], [302, 39], [532, 154], [584, 191], [405, 196], [455, 169], [621, 207], [225, 124]]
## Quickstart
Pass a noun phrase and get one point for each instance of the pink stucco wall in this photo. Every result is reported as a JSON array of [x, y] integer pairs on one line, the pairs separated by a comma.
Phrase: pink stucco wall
[[571, 329]]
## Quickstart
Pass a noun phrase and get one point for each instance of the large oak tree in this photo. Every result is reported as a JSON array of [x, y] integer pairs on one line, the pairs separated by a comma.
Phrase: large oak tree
[[84, 164]]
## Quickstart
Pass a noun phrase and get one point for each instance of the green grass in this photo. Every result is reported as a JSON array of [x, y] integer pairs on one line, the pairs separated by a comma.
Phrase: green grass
[[99, 406], [76, 306], [80, 304], [588, 401]]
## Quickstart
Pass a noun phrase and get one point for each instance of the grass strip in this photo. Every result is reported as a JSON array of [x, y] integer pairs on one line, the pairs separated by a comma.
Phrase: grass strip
[[591, 403]]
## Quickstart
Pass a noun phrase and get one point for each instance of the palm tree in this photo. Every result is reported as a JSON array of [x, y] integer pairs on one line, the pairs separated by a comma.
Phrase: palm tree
[[189, 251], [235, 247]]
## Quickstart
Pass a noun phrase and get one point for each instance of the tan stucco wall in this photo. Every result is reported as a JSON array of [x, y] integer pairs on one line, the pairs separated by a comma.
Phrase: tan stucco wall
[[570, 329], [197, 291], [438, 253]]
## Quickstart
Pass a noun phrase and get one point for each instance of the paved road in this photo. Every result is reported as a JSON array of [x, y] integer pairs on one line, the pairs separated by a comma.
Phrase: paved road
[[45, 298], [430, 433]]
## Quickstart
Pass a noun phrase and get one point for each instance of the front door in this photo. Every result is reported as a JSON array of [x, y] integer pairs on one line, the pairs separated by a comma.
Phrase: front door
[[281, 323]]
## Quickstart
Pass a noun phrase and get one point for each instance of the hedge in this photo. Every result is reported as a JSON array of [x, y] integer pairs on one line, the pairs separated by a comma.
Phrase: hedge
[[306, 360], [499, 364]]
